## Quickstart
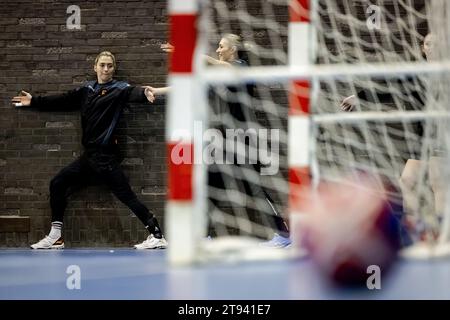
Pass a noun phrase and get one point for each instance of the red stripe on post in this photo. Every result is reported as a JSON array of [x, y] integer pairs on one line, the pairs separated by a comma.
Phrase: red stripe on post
[[180, 158], [183, 36], [299, 11], [299, 178], [299, 97]]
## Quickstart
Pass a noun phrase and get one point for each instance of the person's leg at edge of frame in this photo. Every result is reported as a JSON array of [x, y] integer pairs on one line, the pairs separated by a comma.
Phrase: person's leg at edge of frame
[[439, 186], [408, 185]]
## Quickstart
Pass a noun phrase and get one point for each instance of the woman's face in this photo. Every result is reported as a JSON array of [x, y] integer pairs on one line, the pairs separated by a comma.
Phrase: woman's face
[[225, 50], [428, 44], [104, 69]]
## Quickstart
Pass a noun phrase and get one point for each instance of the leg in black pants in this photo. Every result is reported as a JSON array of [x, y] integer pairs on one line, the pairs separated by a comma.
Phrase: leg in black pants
[[62, 185], [106, 165], [72, 177], [108, 168], [269, 214], [258, 190], [116, 180], [103, 167]]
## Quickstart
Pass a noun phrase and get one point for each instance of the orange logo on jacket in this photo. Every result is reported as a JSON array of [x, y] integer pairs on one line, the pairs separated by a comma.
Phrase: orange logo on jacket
[[103, 92]]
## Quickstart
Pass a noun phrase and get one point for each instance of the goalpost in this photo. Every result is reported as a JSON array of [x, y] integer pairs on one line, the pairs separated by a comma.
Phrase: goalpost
[[305, 57]]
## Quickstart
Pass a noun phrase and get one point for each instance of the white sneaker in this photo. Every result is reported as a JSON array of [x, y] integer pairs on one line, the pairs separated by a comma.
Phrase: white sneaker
[[152, 243], [277, 242], [49, 243]]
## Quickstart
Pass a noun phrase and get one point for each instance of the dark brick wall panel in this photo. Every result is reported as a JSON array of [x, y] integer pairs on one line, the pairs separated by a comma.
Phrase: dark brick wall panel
[[38, 54]]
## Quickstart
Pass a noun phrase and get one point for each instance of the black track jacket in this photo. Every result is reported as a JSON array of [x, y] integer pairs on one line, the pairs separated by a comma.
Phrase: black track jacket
[[101, 107]]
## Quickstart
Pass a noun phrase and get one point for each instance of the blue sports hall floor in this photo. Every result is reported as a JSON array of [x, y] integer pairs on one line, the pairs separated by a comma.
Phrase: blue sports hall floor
[[125, 274]]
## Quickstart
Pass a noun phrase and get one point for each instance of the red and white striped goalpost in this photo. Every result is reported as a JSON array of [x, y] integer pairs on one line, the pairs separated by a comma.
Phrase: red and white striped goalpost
[[301, 54], [181, 114]]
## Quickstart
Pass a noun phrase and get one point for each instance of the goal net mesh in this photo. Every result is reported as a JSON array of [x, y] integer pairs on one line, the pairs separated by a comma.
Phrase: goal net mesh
[[395, 118]]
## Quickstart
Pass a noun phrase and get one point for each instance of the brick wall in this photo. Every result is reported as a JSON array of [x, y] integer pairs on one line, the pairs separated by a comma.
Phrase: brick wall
[[40, 55]]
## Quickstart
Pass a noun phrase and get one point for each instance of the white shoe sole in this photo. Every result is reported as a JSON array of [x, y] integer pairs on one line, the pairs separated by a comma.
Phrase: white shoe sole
[[57, 247], [158, 247]]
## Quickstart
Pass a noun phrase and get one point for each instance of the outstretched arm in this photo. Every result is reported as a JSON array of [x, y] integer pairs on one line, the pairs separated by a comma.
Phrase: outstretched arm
[[70, 99], [139, 95], [167, 47], [212, 61], [349, 103], [373, 95], [156, 91]]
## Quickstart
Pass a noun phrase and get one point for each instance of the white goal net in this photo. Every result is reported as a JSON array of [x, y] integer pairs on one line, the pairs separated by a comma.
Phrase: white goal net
[[393, 123]]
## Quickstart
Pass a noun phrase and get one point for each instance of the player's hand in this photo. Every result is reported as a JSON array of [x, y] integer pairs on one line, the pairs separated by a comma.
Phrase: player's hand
[[23, 100], [348, 104], [167, 47], [149, 93]]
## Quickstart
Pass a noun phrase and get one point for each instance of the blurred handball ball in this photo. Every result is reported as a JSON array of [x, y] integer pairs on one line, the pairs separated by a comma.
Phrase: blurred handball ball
[[346, 227]]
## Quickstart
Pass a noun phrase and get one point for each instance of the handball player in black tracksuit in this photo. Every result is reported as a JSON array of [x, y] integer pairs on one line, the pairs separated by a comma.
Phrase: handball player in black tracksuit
[[101, 104]]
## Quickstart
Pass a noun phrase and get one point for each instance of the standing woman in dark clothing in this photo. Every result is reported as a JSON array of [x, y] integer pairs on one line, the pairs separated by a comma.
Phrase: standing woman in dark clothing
[[409, 179], [231, 53], [101, 103]]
